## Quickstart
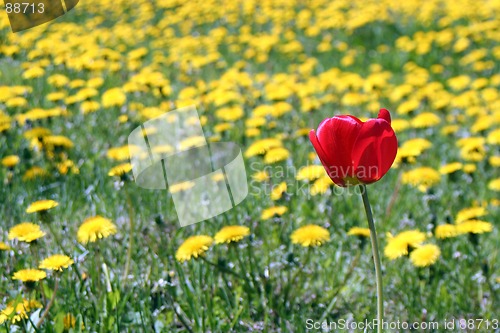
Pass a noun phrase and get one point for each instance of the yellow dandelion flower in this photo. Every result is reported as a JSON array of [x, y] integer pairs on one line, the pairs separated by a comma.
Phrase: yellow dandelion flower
[[260, 147], [474, 227], [41, 206], [425, 119], [56, 262], [472, 148], [120, 170], [163, 149], [57, 80], [273, 211], [51, 141], [35, 172], [33, 72], [179, 187], [121, 153], [219, 128], [278, 191], [302, 132], [66, 166], [260, 176], [321, 185], [399, 245], [276, 155], [252, 132], [446, 231], [26, 232], [449, 129], [310, 235], [255, 122], [470, 213], [56, 96], [450, 168], [311, 172], [411, 149], [423, 178], [230, 114], [89, 106], [399, 125], [113, 97], [425, 255], [29, 275], [37, 132], [18, 310], [4, 246], [193, 247], [94, 228], [232, 233], [10, 161], [194, 141], [494, 137], [357, 231], [494, 185], [494, 161], [470, 168]]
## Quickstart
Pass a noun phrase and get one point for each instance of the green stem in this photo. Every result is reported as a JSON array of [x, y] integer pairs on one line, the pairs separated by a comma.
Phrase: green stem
[[131, 234], [51, 302], [376, 257]]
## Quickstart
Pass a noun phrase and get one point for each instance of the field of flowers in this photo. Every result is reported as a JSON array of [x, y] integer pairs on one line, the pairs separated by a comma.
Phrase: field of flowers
[[84, 249]]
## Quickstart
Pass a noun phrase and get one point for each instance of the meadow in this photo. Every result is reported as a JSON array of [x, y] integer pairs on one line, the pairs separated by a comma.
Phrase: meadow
[[84, 249]]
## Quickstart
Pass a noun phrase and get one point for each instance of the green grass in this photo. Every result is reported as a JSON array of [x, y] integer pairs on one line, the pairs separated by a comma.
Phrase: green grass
[[263, 283]]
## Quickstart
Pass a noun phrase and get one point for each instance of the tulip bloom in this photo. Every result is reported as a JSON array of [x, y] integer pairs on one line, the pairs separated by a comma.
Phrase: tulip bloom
[[355, 152]]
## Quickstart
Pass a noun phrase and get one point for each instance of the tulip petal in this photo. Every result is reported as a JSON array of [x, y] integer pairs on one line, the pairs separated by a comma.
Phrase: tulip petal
[[384, 114], [323, 157], [374, 150], [337, 136]]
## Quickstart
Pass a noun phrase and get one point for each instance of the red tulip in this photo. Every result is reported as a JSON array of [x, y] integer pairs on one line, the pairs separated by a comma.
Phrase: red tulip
[[355, 152]]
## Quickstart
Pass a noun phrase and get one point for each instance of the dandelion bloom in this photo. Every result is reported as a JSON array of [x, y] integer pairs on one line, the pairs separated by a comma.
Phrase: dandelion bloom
[[470, 213], [423, 178], [18, 310], [120, 170], [57, 141], [56, 262], [278, 191], [29, 275], [273, 211], [275, 155], [26, 232], [446, 231], [10, 161], [494, 185], [231, 233], [450, 168], [194, 246], [4, 247], [321, 185], [399, 245], [41, 206], [360, 232], [262, 146], [95, 228], [425, 255], [474, 227], [121, 153], [310, 235], [355, 152], [310, 172], [260, 176]]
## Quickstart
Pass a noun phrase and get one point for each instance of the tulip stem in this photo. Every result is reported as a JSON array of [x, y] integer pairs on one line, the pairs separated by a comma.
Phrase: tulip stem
[[376, 257]]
